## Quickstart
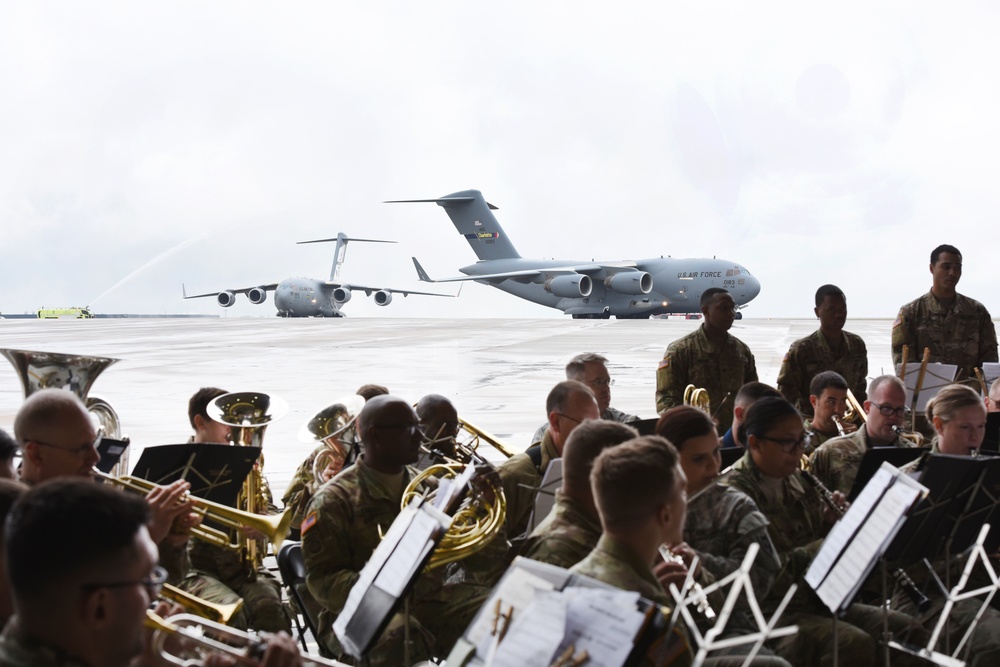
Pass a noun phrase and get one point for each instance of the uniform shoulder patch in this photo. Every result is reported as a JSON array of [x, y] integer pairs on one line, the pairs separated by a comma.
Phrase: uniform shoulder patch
[[664, 363], [898, 320], [308, 523], [788, 355]]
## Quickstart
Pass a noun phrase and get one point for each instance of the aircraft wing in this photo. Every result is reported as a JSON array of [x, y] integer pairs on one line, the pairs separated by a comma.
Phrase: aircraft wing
[[499, 277], [269, 287], [368, 290]]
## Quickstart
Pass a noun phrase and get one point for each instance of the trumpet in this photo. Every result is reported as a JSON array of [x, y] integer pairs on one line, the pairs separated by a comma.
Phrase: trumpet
[[700, 599], [220, 613], [199, 638], [274, 527]]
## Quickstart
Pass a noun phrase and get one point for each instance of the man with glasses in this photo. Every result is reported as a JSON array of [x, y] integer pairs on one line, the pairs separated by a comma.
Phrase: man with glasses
[[567, 405], [837, 460], [710, 358]]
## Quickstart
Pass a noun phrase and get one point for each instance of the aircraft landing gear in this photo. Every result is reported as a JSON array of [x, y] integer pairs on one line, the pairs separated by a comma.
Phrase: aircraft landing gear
[[739, 315]]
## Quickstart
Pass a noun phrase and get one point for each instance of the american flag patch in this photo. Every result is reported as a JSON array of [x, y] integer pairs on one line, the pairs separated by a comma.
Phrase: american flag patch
[[309, 522], [665, 363]]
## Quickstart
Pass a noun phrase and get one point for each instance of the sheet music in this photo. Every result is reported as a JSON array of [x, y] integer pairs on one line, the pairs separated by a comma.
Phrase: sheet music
[[991, 371], [535, 634], [517, 588], [602, 622], [409, 553], [937, 376], [546, 496]]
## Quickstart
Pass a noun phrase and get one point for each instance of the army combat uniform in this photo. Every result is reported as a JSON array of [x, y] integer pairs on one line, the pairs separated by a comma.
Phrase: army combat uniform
[[300, 490], [958, 332], [807, 357], [797, 528], [719, 369], [19, 650], [521, 477], [837, 460], [565, 536], [815, 437]]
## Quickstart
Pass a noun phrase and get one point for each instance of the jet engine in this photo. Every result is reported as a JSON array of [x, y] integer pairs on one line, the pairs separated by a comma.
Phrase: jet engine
[[382, 297], [226, 298], [573, 286], [257, 295], [342, 295], [630, 282]]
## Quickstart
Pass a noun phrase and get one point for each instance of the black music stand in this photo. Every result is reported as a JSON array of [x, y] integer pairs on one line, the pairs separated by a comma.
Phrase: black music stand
[[991, 442], [730, 455], [215, 472], [645, 426], [874, 458], [111, 451]]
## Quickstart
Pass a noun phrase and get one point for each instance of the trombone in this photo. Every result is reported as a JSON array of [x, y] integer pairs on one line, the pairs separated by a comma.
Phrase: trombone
[[275, 527], [220, 613], [199, 638]]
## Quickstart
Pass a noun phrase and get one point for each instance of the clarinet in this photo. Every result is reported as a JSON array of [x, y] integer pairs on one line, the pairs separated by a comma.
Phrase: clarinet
[[899, 574]]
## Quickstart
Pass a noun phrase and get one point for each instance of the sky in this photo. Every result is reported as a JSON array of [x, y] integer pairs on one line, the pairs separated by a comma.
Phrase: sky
[[146, 145]]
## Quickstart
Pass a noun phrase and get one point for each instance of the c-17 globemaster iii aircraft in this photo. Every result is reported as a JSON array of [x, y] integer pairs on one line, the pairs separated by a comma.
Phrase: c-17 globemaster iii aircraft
[[625, 289], [309, 297]]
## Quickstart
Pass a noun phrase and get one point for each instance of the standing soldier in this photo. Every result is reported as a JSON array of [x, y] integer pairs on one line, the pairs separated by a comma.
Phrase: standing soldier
[[709, 358], [958, 330], [829, 348]]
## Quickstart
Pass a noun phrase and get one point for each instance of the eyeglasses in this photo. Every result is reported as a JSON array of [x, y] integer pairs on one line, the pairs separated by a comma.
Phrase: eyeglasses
[[601, 382], [572, 419], [153, 583], [788, 445], [79, 450], [888, 411]]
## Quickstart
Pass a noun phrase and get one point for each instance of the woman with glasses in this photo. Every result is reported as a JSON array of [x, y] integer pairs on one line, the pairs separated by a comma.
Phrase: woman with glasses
[[770, 474]]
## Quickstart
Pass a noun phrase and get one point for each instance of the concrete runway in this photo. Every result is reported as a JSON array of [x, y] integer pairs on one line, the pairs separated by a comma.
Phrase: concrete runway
[[497, 372]]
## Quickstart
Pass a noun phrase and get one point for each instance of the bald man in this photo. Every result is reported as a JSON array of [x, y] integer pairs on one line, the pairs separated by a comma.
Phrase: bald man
[[57, 437]]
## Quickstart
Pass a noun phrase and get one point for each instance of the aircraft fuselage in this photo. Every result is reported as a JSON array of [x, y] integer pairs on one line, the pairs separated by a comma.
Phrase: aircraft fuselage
[[304, 297]]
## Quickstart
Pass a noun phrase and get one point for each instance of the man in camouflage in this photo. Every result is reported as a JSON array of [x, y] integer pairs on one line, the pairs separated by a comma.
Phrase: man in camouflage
[[440, 426], [828, 397], [568, 404], [709, 358], [837, 460], [829, 348], [345, 522], [957, 330], [573, 527]]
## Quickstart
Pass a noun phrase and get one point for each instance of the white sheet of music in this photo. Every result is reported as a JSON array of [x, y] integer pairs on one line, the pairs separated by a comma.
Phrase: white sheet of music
[[991, 371], [409, 552], [602, 622], [936, 377], [535, 634], [517, 588]]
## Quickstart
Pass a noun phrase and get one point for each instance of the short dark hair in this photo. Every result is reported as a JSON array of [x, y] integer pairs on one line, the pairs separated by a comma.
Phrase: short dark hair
[[10, 491], [683, 422], [198, 403], [586, 442], [943, 248], [827, 379], [367, 391], [763, 414], [64, 526], [633, 480], [752, 392], [8, 446], [828, 290], [709, 294], [558, 398], [575, 369]]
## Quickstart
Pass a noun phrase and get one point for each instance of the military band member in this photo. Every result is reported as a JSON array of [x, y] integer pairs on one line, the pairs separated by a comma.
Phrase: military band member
[[439, 424], [748, 394], [709, 358], [568, 404], [8, 450], [958, 330], [798, 521], [828, 398], [993, 398], [573, 527], [837, 460], [829, 348], [205, 428]]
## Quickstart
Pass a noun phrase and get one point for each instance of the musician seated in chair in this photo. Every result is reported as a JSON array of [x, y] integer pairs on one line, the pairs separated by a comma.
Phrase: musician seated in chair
[[223, 575], [439, 424], [828, 397]]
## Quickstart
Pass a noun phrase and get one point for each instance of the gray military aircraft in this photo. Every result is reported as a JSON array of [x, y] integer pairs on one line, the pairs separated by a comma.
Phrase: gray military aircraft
[[630, 289], [309, 297]]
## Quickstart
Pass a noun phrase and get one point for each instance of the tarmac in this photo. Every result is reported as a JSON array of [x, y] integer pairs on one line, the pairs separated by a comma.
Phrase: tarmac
[[497, 372]]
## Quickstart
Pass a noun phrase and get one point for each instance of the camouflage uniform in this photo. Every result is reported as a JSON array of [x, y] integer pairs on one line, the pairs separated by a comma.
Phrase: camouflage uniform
[[520, 480], [220, 575], [300, 490], [611, 415], [815, 438], [837, 461], [809, 356], [960, 332], [19, 650], [340, 533], [720, 370], [565, 536], [795, 512]]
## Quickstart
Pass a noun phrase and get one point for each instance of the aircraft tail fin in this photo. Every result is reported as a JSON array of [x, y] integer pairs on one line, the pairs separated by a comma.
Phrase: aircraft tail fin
[[473, 217], [340, 252]]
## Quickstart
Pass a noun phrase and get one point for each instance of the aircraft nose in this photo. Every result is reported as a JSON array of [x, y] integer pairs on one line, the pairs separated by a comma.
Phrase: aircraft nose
[[752, 287]]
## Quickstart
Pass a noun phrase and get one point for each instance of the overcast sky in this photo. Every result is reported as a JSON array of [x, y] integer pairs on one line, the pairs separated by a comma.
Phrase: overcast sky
[[146, 144]]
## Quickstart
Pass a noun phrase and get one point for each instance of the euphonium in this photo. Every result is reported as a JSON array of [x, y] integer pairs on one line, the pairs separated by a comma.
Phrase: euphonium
[[76, 373], [333, 427], [275, 527], [195, 638], [247, 414], [697, 397]]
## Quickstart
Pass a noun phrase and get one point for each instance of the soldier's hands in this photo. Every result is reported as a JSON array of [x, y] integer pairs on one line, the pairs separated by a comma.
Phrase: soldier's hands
[[688, 555], [670, 573], [281, 651], [166, 504], [840, 500]]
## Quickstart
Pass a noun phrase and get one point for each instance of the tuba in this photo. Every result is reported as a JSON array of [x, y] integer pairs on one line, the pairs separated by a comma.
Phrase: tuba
[[333, 428], [248, 414], [76, 373]]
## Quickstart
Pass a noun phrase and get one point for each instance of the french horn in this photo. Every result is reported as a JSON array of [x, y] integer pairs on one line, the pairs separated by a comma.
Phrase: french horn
[[76, 373], [698, 398]]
